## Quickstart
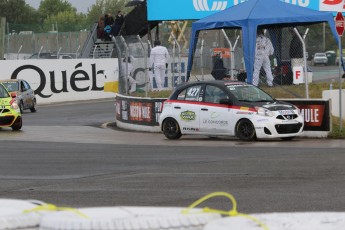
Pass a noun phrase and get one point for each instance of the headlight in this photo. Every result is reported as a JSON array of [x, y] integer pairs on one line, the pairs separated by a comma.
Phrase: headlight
[[264, 112], [14, 105], [298, 110]]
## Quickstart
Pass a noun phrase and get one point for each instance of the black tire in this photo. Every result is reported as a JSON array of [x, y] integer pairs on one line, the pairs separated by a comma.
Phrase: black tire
[[245, 130], [287, 138], [17, 125], [171, 129], [33, 108], [139, 76], [21, 106]]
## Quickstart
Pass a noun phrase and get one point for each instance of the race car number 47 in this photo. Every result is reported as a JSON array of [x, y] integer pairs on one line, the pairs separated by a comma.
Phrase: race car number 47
[[286, 112]]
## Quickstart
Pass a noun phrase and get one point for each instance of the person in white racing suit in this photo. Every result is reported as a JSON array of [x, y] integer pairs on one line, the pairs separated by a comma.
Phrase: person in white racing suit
[[264, 49], [159, 58]]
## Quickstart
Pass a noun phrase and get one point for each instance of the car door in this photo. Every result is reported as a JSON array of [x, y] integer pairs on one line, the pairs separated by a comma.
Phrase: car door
[[23, 94], [28, 93], [215, 118], [186, 108]]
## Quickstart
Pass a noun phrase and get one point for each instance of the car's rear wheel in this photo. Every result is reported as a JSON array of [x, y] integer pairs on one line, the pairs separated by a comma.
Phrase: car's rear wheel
[[17, 125], [33, 108], [245, 130], [171, 129]]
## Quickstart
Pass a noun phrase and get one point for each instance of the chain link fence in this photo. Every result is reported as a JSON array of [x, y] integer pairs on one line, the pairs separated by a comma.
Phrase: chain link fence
[[294, 46], [26, 43], [137, 52], [218, 54]]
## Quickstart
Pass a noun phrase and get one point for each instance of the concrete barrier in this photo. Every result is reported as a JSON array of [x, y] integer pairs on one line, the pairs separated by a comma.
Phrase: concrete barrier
[[142, 114], [61, 80], [333, 95]]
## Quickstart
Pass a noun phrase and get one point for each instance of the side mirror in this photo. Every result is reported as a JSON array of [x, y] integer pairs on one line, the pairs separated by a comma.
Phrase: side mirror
[[225, 101]]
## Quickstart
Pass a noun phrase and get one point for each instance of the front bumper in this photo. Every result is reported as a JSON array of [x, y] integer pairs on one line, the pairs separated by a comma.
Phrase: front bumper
[[274, 128], [8, 116]]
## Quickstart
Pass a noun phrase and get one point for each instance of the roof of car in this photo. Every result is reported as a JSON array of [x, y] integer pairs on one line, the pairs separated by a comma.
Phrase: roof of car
[[9, 80], [215, 82]]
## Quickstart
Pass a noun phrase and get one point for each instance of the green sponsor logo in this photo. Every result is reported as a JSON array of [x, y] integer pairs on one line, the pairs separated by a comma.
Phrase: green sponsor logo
[[188, 116]]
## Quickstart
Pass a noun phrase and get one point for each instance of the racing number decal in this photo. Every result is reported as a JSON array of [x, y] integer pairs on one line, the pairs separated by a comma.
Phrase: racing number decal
[[193, 92], [2, 108]]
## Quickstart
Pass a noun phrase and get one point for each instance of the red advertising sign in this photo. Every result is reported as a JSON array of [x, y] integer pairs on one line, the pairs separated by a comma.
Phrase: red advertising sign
[[316, 114], [223, 52], [339, 23]]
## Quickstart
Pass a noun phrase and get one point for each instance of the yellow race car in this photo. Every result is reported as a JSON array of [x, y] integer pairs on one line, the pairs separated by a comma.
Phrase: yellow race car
[[10, 115]]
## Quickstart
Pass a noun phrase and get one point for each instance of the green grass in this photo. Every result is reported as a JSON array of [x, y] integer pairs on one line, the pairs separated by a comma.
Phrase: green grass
[[285, 91]]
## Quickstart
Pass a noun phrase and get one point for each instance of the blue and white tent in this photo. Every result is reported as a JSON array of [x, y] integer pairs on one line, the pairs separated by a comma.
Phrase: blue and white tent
[[251, 14]]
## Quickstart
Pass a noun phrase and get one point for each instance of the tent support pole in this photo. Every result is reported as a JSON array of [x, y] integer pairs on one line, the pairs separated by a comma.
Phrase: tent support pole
[[232, 50], [304, 60]]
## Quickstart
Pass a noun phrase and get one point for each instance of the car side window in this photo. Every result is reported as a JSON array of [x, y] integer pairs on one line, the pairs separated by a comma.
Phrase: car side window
[[22, 86], [27, 86], [181, 96], [214, 94]]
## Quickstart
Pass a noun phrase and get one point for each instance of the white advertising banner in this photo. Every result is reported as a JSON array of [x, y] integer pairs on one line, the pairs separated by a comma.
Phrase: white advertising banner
[[298, 75], [60, 80], [197, 9], [332, 5]]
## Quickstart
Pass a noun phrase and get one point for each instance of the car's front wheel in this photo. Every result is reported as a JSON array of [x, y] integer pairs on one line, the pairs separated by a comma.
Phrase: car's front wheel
[[17, 125], [171, 129], [245, 130]]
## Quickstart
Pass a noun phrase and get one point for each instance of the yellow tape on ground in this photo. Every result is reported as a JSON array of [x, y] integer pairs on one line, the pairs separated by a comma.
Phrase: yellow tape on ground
[[112, 86], [53, 208], [232, 212]]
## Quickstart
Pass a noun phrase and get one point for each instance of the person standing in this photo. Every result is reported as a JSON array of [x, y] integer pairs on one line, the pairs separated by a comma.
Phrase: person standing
[[159, 58], [108, 23], [296, 50], [100, 28], [119, 20], [264, 49]]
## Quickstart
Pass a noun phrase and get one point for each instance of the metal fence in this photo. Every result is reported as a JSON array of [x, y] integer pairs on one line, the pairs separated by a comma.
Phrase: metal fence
[[24, 44], [138, 50], [213, 46], [223, 56]]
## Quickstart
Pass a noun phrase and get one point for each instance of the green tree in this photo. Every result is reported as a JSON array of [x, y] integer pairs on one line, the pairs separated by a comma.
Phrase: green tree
[[17, 11], [49, 8], [19, 15], [66, 21], [102, 7]]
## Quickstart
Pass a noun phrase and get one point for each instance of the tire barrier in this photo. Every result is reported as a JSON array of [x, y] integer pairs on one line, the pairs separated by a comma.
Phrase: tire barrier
[[37, 215], [14, 214], [283, 221], [126, 218]]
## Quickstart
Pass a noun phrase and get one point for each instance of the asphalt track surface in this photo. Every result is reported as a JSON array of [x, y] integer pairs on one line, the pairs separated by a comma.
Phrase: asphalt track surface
[[72, 155]]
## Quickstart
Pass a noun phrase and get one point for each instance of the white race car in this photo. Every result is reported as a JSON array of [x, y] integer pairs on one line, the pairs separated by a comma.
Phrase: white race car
[[230, 108]]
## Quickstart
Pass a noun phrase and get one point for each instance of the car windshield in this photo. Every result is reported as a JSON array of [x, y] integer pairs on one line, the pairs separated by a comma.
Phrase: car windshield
[[249, 93], [11, 86], [3, 92]]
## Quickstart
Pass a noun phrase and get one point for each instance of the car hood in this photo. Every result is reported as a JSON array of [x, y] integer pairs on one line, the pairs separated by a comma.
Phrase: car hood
[[274, 106], [5, 101]]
